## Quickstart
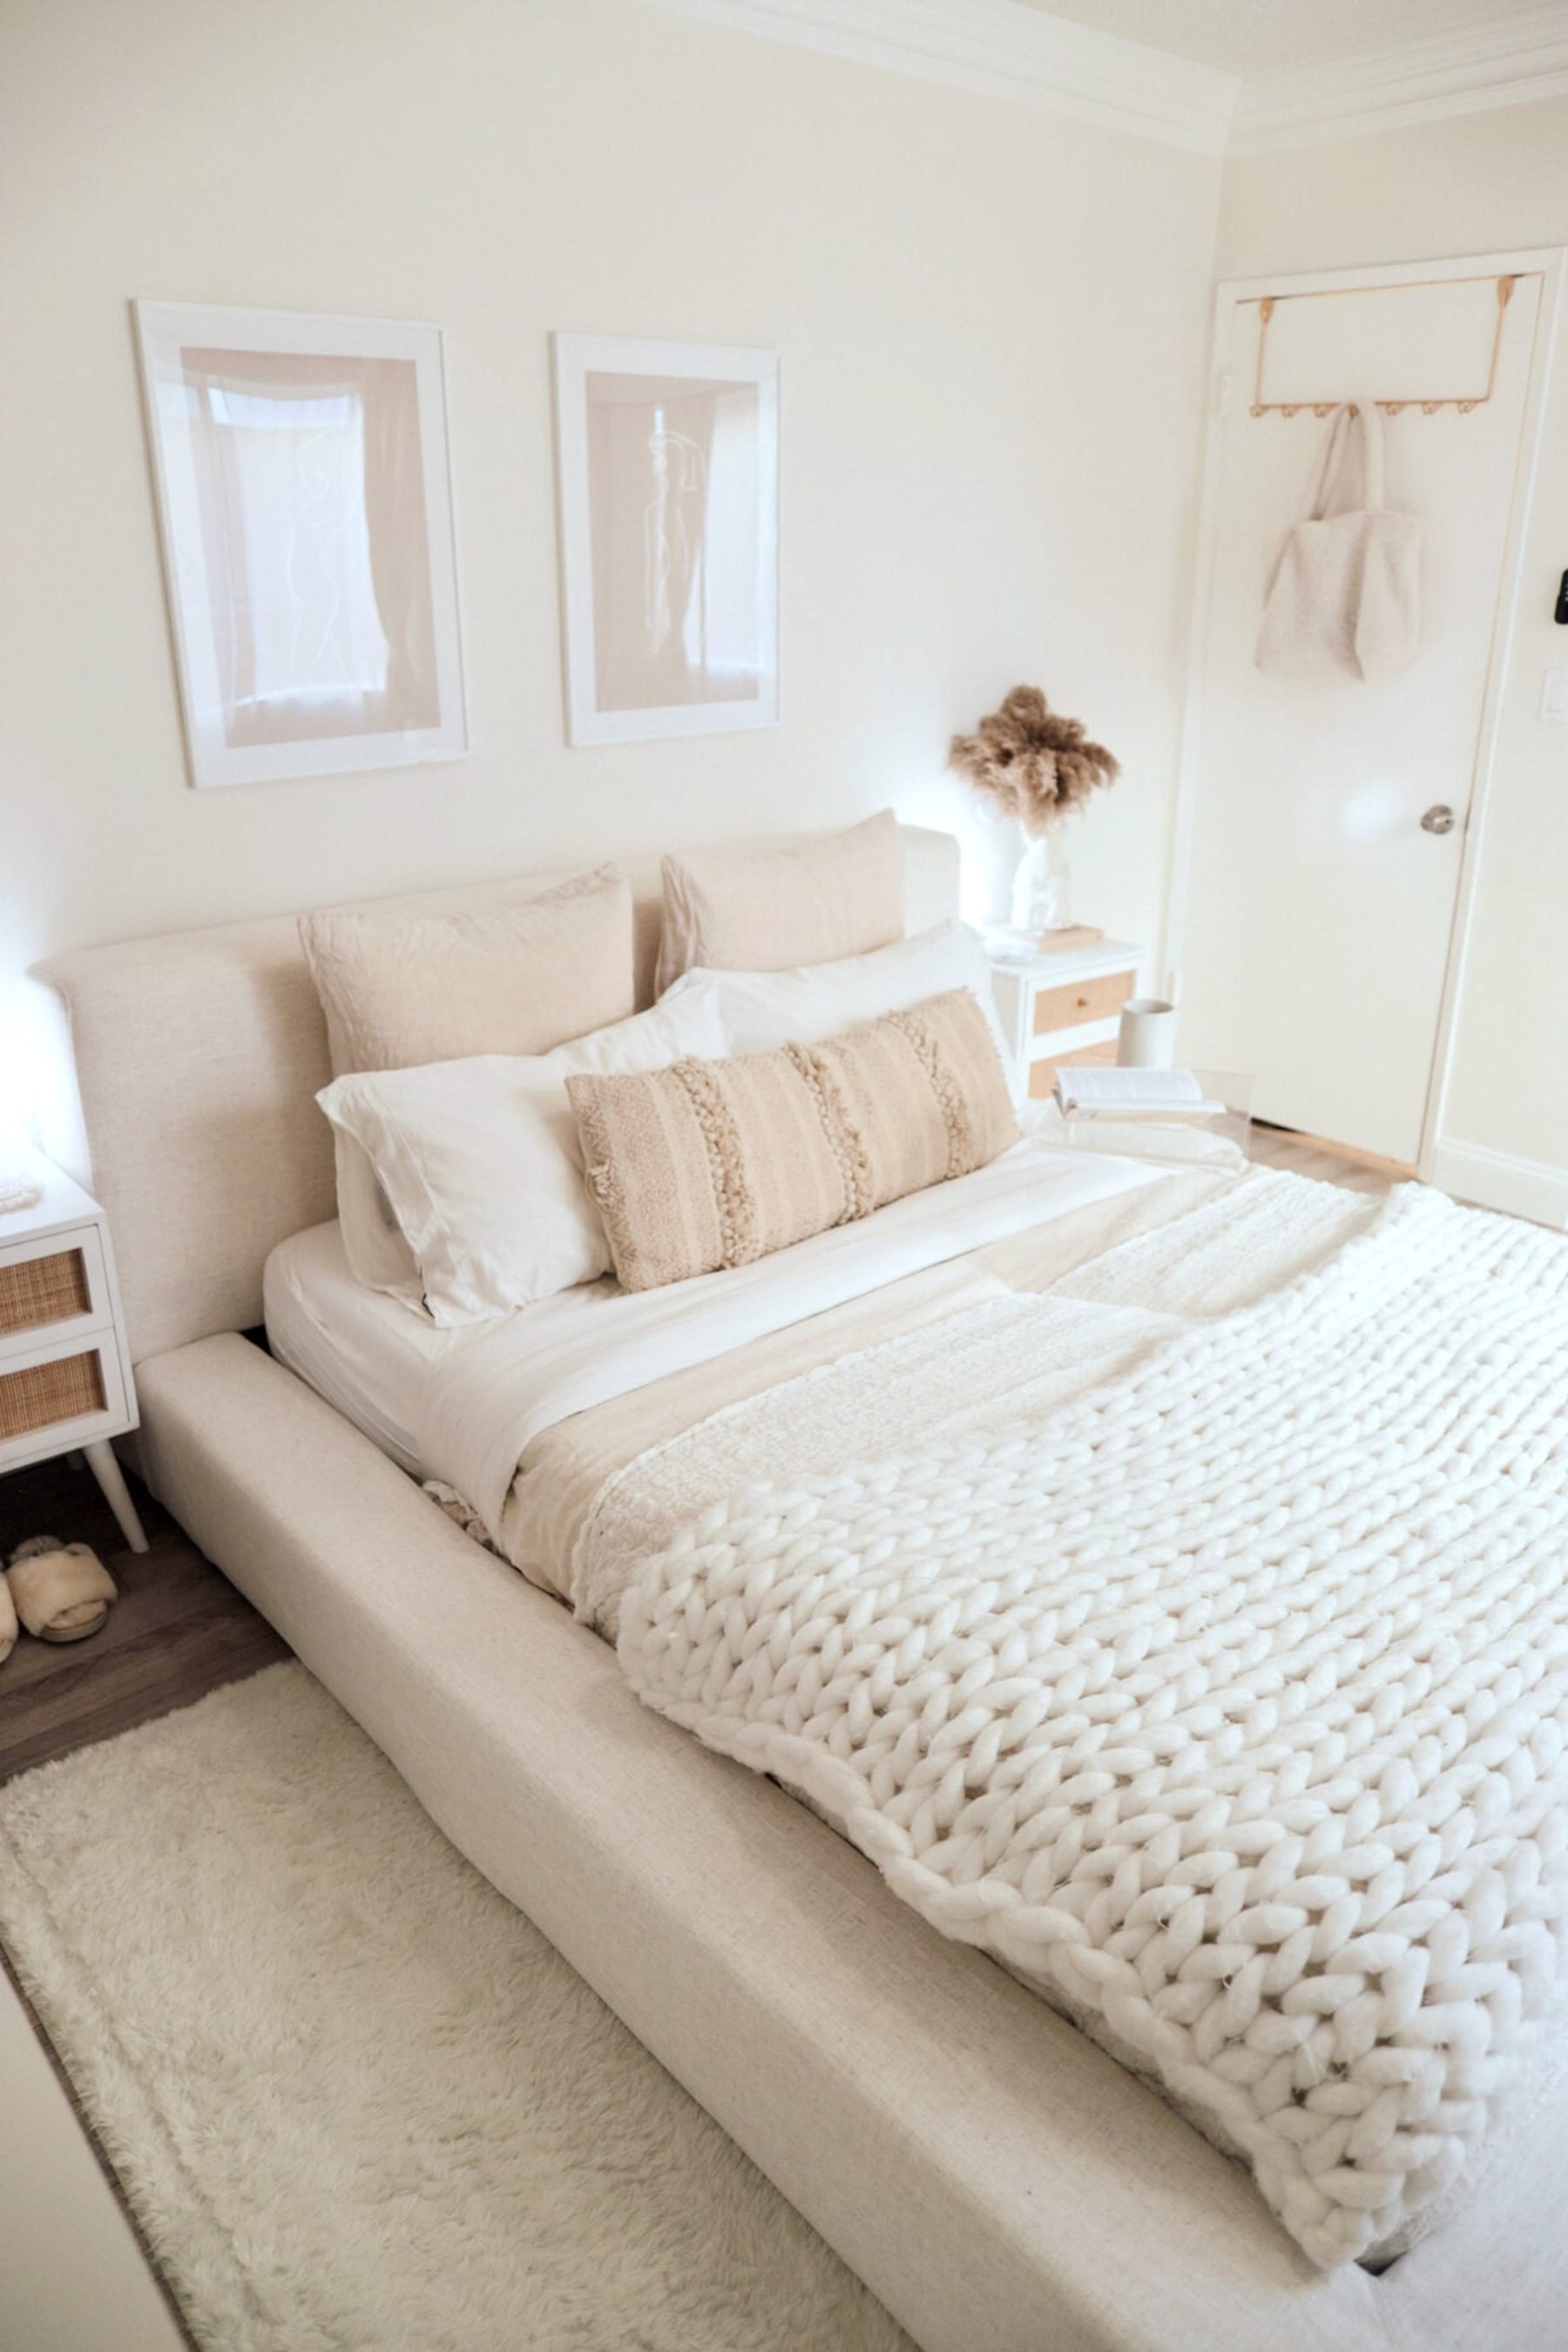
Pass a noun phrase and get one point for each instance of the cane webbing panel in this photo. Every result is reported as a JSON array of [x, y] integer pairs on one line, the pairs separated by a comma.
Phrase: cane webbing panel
[[41, 1394], [39, 1290]]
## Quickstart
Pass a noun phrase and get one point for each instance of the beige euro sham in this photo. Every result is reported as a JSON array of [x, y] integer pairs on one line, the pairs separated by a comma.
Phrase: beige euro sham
[[522, 977], [711, 1164], [773, 905]]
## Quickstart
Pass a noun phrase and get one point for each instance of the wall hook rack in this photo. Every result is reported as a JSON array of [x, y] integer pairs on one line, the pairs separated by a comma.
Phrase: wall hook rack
[[1465, 402]]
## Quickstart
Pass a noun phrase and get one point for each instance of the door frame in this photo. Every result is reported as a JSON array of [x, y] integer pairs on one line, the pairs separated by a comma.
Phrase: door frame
[[1547, 262]]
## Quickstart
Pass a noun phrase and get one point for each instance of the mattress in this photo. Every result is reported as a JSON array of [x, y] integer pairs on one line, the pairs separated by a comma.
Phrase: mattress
[[362, 1350]]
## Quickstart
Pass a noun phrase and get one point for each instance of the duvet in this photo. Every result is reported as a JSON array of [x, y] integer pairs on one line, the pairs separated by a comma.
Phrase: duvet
[[1225, 1699]]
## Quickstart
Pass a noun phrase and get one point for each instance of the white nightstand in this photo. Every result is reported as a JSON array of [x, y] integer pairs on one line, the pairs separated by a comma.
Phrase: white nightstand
[[65, 1371], [1065, 1007]]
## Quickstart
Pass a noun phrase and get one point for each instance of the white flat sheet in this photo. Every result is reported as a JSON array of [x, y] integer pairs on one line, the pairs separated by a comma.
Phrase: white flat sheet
[[462, 1405]]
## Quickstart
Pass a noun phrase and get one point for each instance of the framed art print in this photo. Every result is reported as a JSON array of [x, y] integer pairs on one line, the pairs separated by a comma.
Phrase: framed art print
[[669, 464], [305, 504]]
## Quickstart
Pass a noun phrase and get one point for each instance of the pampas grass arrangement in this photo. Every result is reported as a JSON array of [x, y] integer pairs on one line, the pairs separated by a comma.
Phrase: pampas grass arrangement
[[1030, 763]]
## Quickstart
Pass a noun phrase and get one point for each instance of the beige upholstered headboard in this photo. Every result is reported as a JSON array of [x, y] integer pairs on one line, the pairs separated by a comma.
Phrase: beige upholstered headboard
[[198, 1057]]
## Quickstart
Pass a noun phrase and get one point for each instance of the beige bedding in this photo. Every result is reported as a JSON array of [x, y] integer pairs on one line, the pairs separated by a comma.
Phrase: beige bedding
[[600, 1489]]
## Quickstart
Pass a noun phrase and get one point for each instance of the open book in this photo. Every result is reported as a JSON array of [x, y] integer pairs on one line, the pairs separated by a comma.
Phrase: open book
[[1095, 1088]]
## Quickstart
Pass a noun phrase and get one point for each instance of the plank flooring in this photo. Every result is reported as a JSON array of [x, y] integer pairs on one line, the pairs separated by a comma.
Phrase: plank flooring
[[178, 1630], [1332, 1163]]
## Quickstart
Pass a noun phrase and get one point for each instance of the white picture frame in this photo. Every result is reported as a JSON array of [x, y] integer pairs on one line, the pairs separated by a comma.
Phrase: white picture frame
[[667, 471], [305, 510]]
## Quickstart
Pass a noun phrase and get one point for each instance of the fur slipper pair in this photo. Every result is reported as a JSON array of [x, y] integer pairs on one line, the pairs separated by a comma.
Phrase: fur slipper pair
[[60, 1592]]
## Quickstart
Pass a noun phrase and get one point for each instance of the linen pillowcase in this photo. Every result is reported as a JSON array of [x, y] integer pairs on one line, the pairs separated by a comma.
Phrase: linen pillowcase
[[379, 1259], [480, 1163], [515, 977], [762, 1010], [712, 1164], [784, 903]]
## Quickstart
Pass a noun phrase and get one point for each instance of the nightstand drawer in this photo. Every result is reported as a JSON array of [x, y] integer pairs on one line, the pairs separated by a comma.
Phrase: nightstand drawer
[[1081, 1001], [46, 1288], [63, 1388], [37, 1291], [57, 1395]]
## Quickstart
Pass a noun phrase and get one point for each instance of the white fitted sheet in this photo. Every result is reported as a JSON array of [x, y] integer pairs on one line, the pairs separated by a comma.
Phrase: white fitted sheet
[[462, 1405], [365, 1352]]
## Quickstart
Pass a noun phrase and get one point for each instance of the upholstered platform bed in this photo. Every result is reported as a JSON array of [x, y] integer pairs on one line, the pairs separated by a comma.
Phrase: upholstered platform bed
[[1107, 1430]]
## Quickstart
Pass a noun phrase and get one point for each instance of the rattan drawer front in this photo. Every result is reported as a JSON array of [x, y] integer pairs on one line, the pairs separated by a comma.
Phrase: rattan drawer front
[[37, 1291], [39, 1395], [1080, 1001]]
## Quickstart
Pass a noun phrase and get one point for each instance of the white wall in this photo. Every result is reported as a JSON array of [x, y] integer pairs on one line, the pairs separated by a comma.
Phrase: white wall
[[1480, 182], [992, 328]]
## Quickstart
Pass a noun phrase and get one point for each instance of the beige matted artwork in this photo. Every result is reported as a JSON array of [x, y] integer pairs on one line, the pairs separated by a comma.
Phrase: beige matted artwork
[[668, 463], [305, 504]]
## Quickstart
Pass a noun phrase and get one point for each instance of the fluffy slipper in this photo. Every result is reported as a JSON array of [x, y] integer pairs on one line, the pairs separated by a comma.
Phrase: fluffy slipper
[[60, 1592], [7, 1621]]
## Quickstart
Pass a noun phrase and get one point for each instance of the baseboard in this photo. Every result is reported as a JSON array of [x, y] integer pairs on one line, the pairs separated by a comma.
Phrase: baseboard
[[1501, 1180]]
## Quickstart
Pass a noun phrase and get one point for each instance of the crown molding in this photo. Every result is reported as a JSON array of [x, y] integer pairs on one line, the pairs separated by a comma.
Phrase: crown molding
[[1506, 62], [1027, 58], [1001, 49]]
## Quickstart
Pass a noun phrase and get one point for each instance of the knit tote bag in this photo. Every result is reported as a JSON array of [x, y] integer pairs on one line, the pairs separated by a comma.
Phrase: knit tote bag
[[1345, 599]]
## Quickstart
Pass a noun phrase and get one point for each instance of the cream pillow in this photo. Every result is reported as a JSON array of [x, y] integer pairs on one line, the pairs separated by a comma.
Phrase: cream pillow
[[480, 1163], [519, 977], [714, 1163], [784, 903], [764, 1009]]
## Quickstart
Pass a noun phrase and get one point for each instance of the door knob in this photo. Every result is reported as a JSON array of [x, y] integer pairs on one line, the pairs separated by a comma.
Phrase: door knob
[[1439, 818]]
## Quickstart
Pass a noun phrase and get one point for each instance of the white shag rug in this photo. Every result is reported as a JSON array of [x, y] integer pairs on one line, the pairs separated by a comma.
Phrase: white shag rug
[[354, 2098]]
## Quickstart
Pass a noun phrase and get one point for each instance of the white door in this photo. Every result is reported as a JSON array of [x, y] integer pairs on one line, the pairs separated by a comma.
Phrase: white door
[[1313, 933]]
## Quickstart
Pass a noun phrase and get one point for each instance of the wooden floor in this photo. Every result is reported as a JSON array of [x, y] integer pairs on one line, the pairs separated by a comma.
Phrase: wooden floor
[[180, 1628], [1332, 1163], [177, 1630]]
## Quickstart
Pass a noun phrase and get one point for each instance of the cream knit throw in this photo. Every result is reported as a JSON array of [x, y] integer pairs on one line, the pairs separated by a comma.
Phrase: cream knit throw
[[1228, 1702]]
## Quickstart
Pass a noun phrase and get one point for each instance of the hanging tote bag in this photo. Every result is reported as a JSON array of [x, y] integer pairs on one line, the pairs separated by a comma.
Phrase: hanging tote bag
[[1345, 599]]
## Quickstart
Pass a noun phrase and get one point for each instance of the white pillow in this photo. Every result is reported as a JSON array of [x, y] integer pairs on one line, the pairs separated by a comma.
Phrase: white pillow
[[379, 1259], [480, 1164], [764, 1010]]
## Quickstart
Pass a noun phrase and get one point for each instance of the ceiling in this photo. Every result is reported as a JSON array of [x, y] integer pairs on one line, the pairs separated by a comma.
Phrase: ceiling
[[1250, 36]]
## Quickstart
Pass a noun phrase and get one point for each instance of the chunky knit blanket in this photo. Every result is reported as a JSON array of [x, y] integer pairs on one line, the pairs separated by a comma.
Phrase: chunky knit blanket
[[1227, 1703]]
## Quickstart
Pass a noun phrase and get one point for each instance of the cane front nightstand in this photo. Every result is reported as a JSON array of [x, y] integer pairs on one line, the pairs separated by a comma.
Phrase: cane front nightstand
[[64, 1369]]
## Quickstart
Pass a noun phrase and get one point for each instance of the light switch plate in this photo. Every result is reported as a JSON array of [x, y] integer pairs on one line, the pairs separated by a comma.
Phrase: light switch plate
[[1554, 695]]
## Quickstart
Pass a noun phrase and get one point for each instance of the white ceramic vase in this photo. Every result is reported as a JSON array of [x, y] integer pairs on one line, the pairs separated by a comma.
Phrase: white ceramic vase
[[1148, 1034], [1042, 886]]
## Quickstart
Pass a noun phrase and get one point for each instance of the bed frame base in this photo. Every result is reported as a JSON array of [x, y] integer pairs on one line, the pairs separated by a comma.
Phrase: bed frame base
[[973, 2158]]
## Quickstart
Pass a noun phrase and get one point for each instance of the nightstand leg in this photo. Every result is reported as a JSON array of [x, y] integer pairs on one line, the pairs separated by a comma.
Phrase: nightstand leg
[[100, 1461]]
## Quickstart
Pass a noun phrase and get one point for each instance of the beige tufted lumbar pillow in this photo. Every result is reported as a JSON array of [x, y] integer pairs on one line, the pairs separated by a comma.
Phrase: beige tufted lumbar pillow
[[711, 1164]]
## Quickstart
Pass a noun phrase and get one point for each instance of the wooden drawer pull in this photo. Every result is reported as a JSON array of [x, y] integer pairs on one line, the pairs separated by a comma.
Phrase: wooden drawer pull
[[35, 1291], [1080, 1001]]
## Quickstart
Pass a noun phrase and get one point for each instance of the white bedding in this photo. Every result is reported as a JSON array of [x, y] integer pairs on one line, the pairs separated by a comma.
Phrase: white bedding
[[463, 1406], [360, 1349], [1229, 1701]]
